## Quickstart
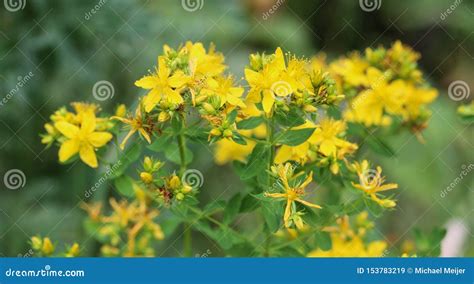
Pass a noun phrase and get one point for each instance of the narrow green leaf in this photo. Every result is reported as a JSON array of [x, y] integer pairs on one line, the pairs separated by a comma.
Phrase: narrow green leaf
[[232, 208], [257, 161], [124, 185], [238, 138], [323, 240], [250, 123], [295, 137]]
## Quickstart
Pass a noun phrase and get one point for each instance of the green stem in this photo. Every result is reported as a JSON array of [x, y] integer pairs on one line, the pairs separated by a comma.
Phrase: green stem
[[187, 233], [182, 150], [270, 137], [187, 240], [270, 133], [216, 222]]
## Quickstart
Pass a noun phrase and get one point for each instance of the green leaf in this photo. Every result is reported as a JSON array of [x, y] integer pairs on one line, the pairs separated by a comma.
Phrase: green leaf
[[232, 208], [249, 203], [323, 240], [374, 207], [354, 207], [232, 116], [128, 157], [250, 123], [159, 144], [379, 146], [124, 185], [257, 162], [295, 137], [172, 154], [271, 211], [239, 139], [217, 205], [169, 224], [291, 118]]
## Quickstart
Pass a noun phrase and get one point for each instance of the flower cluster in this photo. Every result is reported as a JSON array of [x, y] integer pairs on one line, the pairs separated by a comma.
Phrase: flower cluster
[[79, 132], [298, 120], [44, 247], [130, 229], [384, 84], [348, 241]]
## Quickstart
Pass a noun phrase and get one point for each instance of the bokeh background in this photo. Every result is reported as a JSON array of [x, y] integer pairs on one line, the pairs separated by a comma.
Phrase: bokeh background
[[68, 49]]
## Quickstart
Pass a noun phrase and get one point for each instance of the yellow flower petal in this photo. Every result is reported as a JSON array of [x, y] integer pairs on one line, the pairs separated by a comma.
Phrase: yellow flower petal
[[284, 154], [147, 82], [254, 78], [151, 99], [286, 215], [173, 96], [88, 123], [67, 129], [177, 80], [99, 139], [68, 149], [327, 147], [268, 100], [87, 154]]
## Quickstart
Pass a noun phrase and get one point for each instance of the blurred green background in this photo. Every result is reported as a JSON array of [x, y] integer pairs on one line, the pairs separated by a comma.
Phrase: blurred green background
[[68, 49]]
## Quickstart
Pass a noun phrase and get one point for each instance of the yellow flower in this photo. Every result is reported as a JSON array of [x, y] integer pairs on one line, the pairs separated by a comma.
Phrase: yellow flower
[[121, 110], [73, 251], [370, 105], [326, 136], [227, 150], [48, 247], [371, 182], [263, 84], [223, 87], [204, 64], [353, 247], [352, 70], [136, 124], [416, 99], [162, 85], [81, 140], [292, 193]]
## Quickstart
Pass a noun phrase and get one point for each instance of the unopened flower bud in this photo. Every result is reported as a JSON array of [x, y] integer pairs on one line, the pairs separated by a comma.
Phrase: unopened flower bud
[[163, 116], [146, 177], [227, 133], [48, 247], [215, 132], [36, 243], [208, 107], [175, 182], [179, 196]]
